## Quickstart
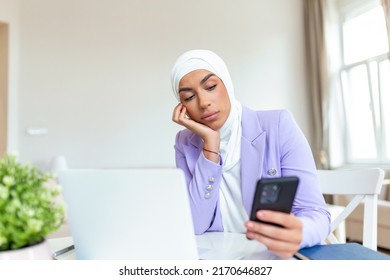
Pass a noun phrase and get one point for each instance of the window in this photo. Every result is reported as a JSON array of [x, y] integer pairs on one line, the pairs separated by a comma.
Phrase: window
[[365, 83]]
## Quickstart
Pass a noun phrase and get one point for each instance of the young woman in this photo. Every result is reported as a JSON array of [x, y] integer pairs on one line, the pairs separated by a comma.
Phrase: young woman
[[227, 147]]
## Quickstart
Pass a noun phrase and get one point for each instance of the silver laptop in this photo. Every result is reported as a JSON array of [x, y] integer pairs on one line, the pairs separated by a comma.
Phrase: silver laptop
[[129, 214]]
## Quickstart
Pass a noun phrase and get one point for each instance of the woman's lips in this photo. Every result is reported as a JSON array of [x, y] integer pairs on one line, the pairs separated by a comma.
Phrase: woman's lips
[[210, 116]]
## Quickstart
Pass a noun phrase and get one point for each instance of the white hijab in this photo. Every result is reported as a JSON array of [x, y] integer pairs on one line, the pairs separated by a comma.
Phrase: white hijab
[[230, 132], [232, 208]]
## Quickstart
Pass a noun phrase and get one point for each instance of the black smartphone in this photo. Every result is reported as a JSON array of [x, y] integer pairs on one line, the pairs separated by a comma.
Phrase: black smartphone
[[274, 194]]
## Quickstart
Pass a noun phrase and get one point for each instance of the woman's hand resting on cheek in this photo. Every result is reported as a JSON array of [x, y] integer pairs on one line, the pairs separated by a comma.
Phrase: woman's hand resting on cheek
[[282, 241], [210, 137], [181, 117]]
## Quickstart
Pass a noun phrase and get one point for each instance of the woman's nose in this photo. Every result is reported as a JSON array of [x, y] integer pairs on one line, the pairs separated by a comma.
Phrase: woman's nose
[[204, 100]]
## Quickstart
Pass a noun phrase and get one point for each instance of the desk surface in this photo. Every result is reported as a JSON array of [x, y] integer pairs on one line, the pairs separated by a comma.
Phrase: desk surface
[[211, 246]]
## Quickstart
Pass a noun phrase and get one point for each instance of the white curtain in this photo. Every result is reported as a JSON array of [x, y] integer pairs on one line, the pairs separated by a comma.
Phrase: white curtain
[[386, 9], [334, 111]]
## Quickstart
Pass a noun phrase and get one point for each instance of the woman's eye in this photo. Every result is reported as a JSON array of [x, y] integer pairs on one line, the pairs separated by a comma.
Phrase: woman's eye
[[189, 98], [212, 87]]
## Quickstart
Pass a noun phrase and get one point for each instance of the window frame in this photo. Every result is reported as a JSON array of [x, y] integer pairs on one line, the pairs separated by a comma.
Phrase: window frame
[[349, 9]]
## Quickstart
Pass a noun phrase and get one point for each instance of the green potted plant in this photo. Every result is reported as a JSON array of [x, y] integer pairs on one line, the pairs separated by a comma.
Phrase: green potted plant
[[28, 208]]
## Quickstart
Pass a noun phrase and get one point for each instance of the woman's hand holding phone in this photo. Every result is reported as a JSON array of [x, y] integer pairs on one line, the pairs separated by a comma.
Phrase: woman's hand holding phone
[[283, 241], [271, 222]]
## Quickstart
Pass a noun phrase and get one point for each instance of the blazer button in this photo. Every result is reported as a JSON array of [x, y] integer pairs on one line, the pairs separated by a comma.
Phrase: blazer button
[[272, 171], [207, 195], [209, 187]]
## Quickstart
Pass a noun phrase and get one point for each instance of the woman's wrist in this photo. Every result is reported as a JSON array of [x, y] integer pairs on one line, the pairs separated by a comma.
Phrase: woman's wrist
[[211, 146], [213, 152]]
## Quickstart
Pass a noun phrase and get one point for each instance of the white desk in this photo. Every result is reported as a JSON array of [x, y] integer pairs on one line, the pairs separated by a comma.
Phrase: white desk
[[211, 246], [231, 246]]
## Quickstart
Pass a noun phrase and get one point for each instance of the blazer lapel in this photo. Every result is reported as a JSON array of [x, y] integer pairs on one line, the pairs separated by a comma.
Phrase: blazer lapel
[[252, 155]]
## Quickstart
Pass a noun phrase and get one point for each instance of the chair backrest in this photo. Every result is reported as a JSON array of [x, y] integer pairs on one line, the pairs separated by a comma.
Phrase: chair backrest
[[364, 185]]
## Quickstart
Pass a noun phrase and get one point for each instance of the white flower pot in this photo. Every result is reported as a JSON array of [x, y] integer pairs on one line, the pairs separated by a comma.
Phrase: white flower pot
[[39, 251]]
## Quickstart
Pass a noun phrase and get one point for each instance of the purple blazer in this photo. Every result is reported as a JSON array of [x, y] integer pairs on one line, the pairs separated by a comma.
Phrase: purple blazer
[[271, 141]]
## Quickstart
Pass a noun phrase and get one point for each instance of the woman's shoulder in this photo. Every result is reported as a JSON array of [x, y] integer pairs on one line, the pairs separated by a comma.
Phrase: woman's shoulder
[[268, 116]]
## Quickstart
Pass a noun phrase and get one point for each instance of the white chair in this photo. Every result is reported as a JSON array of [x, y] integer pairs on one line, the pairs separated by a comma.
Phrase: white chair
[[361, 185], [340, 232]]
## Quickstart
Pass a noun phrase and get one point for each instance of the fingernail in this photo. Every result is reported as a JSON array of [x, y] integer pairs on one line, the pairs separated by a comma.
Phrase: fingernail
[[260, 214]]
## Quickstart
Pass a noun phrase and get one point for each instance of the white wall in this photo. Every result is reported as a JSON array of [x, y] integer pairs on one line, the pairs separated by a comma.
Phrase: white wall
[[9, 14], [96, 74]]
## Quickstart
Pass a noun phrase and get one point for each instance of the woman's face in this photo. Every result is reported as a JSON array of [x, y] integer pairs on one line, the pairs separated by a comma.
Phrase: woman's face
[[205, 97]]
